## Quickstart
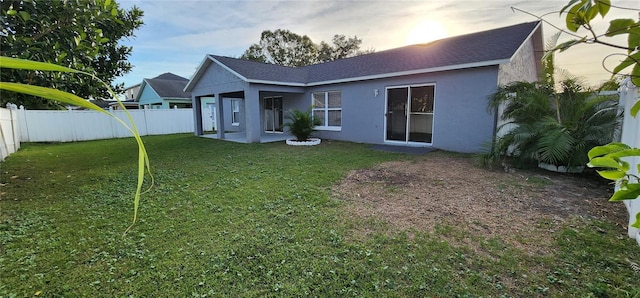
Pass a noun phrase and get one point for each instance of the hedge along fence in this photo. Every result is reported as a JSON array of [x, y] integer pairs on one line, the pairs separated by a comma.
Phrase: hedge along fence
[[21, 125]]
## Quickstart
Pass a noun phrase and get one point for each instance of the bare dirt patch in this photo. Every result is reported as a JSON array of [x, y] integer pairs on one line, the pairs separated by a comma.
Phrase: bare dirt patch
[[447, 189]]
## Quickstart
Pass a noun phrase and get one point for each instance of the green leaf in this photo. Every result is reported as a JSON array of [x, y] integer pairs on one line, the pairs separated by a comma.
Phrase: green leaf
[[567, 44], [51, 94], [637, 223], [624, 153], [574, 18], [607, 149], [619, 26], [8, 62], [630, 192], [590, 12], [11, 12], [605, 162], [603, 6], [635, 108], [612, 175], [635, 72], [568, 5], [630, 60], [25, 16], [634, 40]]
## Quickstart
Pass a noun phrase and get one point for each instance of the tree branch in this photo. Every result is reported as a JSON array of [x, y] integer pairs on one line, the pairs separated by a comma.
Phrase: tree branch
[[541, 18]]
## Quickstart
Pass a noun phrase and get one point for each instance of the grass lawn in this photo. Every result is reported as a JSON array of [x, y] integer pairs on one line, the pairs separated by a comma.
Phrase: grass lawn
[[227, 219]]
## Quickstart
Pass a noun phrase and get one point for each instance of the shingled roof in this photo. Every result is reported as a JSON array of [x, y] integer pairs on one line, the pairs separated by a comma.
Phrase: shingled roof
[[491, 47], [168, 85]]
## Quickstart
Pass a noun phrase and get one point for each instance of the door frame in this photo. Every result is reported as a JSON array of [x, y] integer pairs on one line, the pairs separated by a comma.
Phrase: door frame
[[264, 108], [212, 107], [406, 142]]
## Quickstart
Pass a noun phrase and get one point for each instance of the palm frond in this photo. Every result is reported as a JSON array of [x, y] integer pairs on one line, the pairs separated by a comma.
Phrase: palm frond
[[555, 147]]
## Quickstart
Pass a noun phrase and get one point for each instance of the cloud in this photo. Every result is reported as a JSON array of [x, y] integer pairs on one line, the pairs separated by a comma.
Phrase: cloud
[[187, 30]]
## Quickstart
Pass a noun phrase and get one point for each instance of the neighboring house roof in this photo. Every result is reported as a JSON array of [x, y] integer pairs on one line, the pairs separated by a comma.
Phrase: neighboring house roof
[[101, 103], [168, 85], [129, 104], [491, 47]]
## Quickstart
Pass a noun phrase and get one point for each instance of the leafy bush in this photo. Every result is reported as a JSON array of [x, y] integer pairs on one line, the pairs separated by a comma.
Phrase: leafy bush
[[302, 124], [557, 128]]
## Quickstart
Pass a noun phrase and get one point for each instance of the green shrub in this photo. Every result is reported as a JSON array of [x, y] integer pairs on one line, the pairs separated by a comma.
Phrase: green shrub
[[557, 128], [301, 124]]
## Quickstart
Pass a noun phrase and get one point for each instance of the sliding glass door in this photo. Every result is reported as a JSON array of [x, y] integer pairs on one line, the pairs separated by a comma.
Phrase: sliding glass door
[[273, 115], [409, 115]]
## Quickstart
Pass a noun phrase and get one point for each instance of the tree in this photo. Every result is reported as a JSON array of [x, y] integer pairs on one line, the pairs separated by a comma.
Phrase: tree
[[343, 47], [283, 47], [78, 34], [610, 158], [286, 48]]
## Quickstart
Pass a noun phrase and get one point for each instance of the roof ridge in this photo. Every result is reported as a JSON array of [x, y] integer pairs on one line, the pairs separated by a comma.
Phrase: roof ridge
[[477, 49]]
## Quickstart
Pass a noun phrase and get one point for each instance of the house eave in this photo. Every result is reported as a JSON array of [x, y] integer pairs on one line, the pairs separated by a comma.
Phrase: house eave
[[177, 98], [142, 85], [208, 60], [530, 36], [266, 82], [376, 76], [411, 72], [198, 74]]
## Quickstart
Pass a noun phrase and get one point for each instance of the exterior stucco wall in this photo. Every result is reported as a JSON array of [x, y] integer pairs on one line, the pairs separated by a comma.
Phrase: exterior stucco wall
[[130, 93], [217, 80], [149, 96], [523, 66], [227, 117], [290, 101], [461, 120]]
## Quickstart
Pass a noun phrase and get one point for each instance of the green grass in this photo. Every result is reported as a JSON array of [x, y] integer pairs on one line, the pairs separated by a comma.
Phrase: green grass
[[227, 219]]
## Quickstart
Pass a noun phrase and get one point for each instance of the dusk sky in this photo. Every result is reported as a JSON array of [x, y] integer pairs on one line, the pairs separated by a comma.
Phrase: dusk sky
[[178, 34]]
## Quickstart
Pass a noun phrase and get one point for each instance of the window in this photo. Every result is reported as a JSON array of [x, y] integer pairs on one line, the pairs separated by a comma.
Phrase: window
[[235, 114], [327, 107]]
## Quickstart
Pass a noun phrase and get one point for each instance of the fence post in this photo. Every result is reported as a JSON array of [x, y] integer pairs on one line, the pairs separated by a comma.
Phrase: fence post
[[17, 133], [630, 131], [24, 125], [9, 132]]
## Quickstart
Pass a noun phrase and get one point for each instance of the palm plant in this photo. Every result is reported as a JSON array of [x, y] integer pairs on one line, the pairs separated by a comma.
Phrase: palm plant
[[556, 128], [302, 124]]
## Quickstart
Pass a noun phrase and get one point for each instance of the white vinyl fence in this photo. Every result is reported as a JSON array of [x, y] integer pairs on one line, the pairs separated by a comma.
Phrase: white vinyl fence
[[9, 132], [20, 125], [74, 125], [631, 137]]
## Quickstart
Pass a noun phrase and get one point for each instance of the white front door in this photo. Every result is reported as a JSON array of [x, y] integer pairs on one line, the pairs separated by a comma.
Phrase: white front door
[[212, 115]]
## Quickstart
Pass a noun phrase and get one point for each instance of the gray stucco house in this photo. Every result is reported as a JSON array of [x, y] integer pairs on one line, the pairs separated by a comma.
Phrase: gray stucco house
[[432, 94]]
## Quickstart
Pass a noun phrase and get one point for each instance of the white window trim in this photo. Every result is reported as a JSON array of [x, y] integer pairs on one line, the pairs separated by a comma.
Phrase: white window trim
[[326, 109], [235, 103]]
